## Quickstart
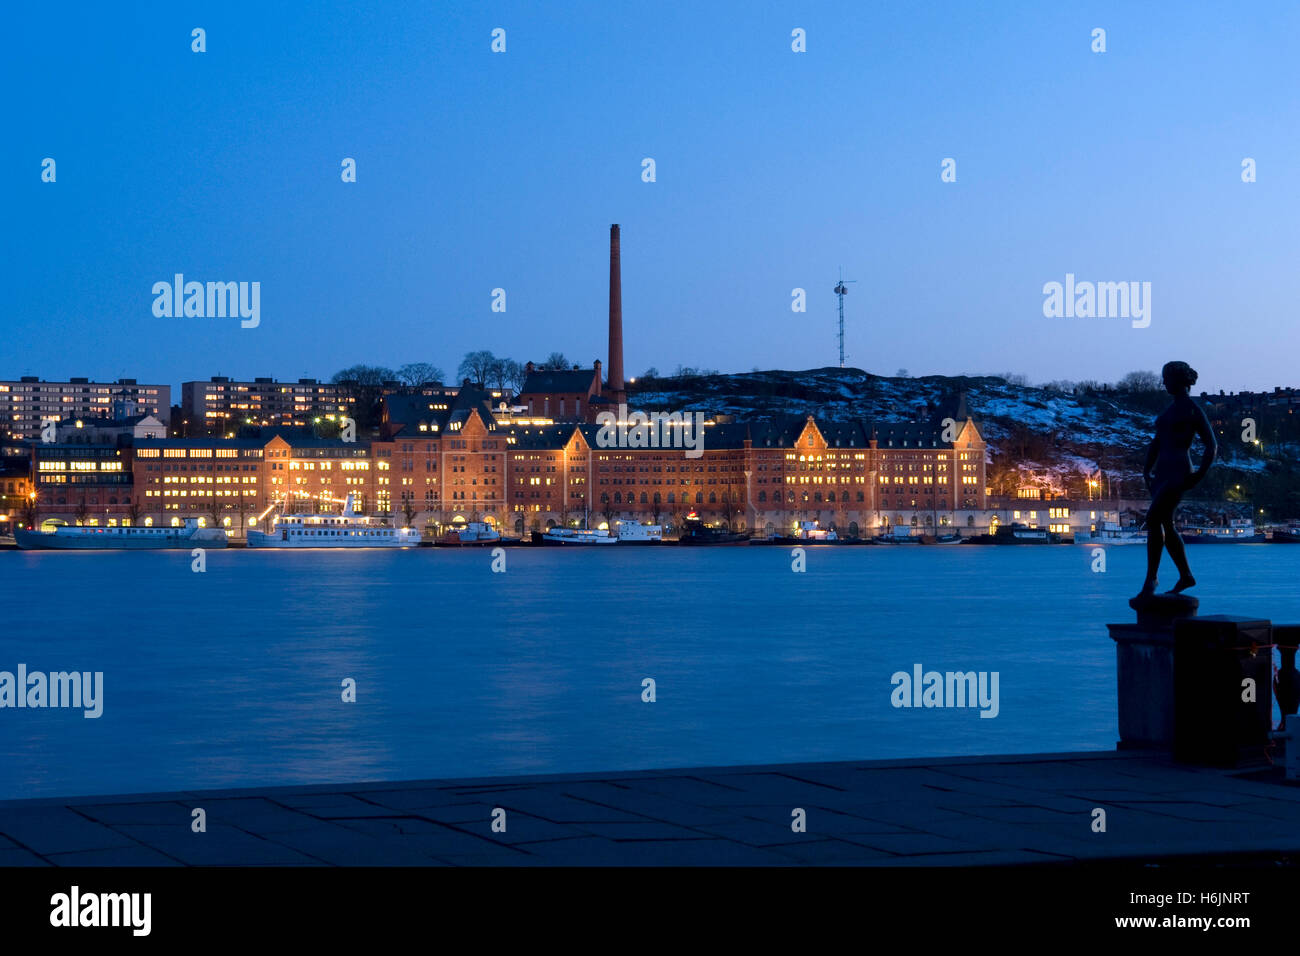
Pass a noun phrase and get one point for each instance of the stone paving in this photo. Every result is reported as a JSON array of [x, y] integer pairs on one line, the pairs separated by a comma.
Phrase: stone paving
[[945, 812]]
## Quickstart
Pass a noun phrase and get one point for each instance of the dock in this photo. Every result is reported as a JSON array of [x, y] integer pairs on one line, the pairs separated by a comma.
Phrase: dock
[[1039, 809]]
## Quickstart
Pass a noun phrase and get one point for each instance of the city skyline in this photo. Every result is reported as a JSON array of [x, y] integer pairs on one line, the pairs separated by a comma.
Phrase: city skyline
[[478, 171]]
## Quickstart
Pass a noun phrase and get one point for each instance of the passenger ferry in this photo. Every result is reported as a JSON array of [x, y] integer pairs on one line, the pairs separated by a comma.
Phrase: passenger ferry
[[348, 530], [94, 538], [1238, 531], [575, 537]]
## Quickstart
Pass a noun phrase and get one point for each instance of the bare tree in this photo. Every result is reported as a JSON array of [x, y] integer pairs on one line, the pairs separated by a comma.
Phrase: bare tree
[[1140, 382], [503, 371], [364, 385], [556, 360], [364, 375], [418, 373], [518, 375], [477, 366]]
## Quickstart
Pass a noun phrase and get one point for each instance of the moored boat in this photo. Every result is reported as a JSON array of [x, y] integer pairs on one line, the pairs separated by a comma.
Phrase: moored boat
[[633, 532], [952, 537], [189, 534], [1111, 534], [812, 532], [1014, 534], [346, 530], [696, 532], [574, 537], [475, 533], [1237, 531]]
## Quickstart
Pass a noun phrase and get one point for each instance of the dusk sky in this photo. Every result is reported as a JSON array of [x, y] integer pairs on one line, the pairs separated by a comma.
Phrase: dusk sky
[[478, 170]]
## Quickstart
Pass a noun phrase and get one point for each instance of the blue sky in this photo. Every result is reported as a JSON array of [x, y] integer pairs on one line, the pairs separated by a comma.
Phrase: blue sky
[[478, 170]]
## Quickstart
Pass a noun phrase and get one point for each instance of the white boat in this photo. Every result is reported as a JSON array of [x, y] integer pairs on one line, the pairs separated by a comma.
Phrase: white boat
[[577, 537], [1111, 534], [143, 538], [633, 532], [348, 530], [1238, 531]]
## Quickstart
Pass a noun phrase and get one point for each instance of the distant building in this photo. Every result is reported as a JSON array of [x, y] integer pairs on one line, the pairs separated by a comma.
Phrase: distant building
[[561, 395], [109, 431], [81, 483], [28, 402], [220, 405], [15, 484]]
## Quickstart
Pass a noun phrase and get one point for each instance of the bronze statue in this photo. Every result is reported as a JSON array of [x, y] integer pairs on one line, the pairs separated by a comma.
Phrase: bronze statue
[[1169, 475]]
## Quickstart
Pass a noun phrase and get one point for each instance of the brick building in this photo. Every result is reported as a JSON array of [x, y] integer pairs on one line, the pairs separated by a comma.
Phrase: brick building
[[561, 395]]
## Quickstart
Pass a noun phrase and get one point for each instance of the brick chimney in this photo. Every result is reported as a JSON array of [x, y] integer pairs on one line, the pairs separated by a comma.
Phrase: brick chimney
[[615, 380]]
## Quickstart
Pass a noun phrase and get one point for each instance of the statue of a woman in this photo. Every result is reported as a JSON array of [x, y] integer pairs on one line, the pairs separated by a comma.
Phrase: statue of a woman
[[1168, 473]]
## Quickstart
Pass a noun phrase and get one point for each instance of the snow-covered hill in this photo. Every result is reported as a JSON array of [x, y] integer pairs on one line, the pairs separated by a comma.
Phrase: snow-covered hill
[[1057, 439]]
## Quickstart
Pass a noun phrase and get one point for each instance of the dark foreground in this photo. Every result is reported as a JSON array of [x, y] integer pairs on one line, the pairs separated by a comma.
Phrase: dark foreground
[[948, 812]]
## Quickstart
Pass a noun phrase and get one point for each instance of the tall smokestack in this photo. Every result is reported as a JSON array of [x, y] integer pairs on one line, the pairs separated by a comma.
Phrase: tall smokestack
[[615, 317]]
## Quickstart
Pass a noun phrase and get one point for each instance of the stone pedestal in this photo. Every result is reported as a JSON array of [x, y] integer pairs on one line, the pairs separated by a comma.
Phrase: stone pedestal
[[1144, 668], [1286, 683], [1216, 659]]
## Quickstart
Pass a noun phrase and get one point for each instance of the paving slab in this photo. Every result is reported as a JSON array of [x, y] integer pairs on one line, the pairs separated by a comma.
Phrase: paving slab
[[47, 829], [969, 811]]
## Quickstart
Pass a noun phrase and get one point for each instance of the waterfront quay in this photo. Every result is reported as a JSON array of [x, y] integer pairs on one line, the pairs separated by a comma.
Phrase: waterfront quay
[[961, 811]]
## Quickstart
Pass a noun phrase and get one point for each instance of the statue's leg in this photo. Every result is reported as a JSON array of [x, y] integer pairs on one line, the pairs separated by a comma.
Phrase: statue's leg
[[1178, 552], [1155, 546]]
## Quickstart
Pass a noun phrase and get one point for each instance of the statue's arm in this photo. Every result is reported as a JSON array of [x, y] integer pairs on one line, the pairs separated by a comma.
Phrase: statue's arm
[[1206, 431]]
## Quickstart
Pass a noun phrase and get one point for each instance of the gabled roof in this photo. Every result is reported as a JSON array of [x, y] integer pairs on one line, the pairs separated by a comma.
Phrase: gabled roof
[[406, 413]]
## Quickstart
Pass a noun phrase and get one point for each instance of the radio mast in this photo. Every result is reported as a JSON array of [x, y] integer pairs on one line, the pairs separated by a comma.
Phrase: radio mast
[[841, 290]]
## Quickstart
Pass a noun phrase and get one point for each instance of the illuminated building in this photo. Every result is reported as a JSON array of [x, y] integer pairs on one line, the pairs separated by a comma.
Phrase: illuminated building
[[28, 402]]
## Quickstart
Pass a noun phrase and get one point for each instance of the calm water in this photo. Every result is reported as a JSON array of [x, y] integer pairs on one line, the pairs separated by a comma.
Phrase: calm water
[[232, 677]]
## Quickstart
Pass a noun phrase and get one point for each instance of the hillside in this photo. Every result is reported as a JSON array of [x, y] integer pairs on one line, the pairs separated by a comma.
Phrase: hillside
[[1054, 439]]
